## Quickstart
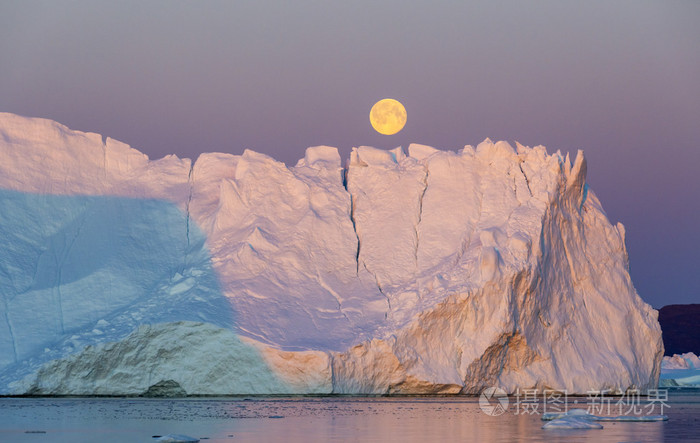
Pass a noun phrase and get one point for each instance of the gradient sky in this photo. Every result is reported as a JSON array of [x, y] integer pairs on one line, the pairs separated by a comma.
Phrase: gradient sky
[[619, 79]]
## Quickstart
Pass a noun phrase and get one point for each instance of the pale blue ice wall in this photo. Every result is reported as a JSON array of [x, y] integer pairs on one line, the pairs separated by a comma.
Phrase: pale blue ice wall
[[97, 264]]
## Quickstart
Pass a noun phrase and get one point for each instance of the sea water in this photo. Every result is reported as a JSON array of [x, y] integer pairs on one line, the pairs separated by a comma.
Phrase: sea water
[[317, 419]]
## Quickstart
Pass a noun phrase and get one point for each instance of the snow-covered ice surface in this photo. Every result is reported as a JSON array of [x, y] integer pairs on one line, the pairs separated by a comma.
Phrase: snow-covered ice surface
[[681, 370], [419, 272]]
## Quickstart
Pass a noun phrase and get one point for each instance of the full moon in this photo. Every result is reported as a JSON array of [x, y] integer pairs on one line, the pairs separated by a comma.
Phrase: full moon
[[387, 116]]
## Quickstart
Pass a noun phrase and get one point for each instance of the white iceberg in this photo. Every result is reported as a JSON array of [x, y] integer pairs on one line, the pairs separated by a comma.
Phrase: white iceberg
[[430, 272], [680, 370], [680, 361]]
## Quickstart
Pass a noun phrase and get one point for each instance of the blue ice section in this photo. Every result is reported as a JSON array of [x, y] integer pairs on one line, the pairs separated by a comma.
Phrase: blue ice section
[[78, 270]]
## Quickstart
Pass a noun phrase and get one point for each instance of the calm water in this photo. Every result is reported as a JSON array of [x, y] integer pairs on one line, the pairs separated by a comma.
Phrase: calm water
[[312, 420]]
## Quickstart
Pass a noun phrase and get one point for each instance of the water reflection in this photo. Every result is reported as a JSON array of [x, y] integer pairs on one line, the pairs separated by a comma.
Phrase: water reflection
[[405, 420]]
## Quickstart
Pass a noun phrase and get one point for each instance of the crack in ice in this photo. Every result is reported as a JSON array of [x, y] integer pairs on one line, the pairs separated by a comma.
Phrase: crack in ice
[[190, 184], [527, 181], [420, 214]]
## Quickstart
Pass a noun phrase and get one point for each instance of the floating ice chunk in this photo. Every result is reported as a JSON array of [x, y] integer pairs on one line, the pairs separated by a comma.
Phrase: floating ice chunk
[[574, 419], [581, 419], [572, 422], [176, 438]]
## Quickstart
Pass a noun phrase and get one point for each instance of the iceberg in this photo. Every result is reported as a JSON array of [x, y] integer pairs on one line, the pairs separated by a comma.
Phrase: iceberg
[[680, 370], [417, 271], [687, 360]]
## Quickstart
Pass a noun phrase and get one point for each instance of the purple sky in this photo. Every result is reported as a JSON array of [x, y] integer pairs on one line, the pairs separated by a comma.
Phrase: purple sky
[[620, 80]]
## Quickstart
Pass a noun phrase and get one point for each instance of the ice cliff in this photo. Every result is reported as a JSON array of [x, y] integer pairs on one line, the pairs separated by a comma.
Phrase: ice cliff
[[423, 271]]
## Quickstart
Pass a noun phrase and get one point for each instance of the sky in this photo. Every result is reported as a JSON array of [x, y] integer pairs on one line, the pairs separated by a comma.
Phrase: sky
[[618, 79]]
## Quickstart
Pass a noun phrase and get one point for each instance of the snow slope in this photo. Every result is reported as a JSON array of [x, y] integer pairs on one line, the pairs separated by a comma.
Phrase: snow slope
[[427, 271]]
